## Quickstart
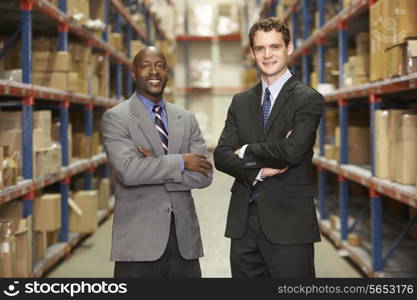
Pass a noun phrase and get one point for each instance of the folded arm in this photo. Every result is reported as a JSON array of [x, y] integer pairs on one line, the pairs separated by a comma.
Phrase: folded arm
[[225, 158], [132, 167], [289, 151]]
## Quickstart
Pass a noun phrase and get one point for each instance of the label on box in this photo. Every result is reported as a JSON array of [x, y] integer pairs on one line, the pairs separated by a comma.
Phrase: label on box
[[5, 247]]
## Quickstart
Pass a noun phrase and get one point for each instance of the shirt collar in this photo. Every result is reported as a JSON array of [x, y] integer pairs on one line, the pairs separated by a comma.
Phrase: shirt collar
[[276, 86], [150, 104]]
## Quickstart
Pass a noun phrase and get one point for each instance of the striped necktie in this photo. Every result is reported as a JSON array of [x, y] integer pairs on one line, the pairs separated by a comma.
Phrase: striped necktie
[[159, 124]]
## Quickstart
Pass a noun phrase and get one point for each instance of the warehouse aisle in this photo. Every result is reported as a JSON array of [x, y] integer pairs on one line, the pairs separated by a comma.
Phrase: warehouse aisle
[[91, 259]]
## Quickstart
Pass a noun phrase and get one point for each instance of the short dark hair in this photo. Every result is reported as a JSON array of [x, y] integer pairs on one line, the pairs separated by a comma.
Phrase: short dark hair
[[267, 25]]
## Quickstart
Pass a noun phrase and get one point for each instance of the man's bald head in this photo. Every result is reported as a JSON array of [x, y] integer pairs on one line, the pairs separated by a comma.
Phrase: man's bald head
[[148, 50], [150, 72]]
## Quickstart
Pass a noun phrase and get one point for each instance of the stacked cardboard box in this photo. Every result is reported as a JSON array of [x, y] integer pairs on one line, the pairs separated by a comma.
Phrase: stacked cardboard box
[[359, 144], [331, 66], [356, 70], [382, 144], [79, 67], [103, 193], [402, 58], [396, 141], [135, 47], [82, 145], [100, 71], [83, 216], [47, 221], [11, 136], [15, 240], [56, 137], [7, 249], [388, 42], [116, 41], [47, 212], [8, 167], [406, 167], [50, 68]]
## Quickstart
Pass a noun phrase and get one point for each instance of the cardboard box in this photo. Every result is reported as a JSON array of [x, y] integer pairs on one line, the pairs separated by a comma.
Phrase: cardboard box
[[406, 158], [81, 145], [97, 9], [73, 82], [7, 257], [12, 211], [23, 257], [52, 237], [45, 43], [47, 212], [96, 143], [406, 170], [354, 240], [41, 246], [135, 47], [40, 139], [10, 120], [53, 61], [116, 41], [357, 136], [403, 13], [331, 151], [359, 155], [10, 170], [382, 143], [58, 80], [87, 222], [103, 193], [402, 58]]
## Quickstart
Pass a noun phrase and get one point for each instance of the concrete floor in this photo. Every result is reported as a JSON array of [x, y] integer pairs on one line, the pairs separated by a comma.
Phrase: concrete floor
[[91, 258]]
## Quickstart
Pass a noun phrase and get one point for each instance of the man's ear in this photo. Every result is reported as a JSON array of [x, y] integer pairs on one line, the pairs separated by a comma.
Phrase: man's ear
[[133, 75], [290, 48]]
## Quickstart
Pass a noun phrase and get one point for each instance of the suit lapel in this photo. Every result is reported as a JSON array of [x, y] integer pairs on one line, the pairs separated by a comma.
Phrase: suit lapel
[[279, 104], [146, 125], [255, 108], [175, 129]]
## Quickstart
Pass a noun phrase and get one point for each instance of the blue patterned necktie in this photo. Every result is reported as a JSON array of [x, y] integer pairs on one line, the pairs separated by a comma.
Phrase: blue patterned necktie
[[266, 106], [160, 127]]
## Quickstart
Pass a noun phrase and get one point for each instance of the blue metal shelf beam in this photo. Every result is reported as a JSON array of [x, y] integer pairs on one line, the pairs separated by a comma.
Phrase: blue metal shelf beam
[[322, 176], [306, 33], [27, 109]]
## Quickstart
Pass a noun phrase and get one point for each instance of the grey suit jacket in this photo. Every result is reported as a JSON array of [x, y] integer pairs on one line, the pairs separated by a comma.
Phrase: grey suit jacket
[[147, 190]]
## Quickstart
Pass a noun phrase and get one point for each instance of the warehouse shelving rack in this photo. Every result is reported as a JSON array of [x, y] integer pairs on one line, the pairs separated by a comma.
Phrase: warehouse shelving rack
[[373, 92], [28, 93]]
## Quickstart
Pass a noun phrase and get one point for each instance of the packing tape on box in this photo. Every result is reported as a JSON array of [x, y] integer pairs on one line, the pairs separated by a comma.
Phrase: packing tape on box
[[75, 207]]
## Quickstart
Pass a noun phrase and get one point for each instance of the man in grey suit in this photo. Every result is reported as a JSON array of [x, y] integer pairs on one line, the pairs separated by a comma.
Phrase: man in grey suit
[[158, 155]]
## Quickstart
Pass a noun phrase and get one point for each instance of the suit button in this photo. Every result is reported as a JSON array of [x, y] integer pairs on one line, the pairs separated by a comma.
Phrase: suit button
[[167, 210]]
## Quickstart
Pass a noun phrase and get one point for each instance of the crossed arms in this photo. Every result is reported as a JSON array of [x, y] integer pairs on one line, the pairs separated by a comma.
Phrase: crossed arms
[[277, 154], [132, 167]]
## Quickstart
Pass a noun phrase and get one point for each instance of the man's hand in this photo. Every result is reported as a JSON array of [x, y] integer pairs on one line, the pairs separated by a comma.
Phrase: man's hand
[[197, 162], [146, 153], [269, 172], [237, 152]]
